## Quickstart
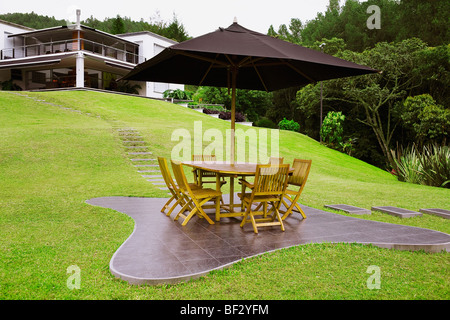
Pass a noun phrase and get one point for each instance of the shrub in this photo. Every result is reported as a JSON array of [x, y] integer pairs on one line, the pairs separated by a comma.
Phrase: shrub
[[178, 94], [435, 161], [9, 85], [213, 109], [226, 115], [332, 128], [210, 111], [408, 166], [266, 123], [289, 125], [430, 167]]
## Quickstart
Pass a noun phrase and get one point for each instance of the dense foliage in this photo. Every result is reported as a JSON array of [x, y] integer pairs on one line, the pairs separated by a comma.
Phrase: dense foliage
[[117, 25], [291, 125], [400, 20]]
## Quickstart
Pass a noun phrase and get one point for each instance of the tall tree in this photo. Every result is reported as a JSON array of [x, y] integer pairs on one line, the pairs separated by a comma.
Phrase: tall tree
[[380, 96], [118, 26]]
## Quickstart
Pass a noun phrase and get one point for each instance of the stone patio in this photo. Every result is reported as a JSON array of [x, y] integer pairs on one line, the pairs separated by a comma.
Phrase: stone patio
[[161, 251]]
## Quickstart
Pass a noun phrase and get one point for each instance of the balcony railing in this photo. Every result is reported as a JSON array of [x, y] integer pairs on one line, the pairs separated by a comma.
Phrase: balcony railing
[[39, 49]]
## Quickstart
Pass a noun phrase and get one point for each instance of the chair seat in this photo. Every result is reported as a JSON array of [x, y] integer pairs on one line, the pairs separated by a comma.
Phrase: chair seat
[[206, 193], [247, 196], [194, 186]]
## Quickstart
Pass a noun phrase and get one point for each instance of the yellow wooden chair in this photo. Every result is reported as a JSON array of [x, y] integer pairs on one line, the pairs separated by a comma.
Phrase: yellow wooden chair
[[296, 180], [269, 187], [200, 175], [172, 186], [272, 160], [194, 198]]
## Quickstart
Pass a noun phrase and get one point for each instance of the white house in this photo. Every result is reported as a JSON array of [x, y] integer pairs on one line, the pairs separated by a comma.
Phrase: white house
[[76, 56]]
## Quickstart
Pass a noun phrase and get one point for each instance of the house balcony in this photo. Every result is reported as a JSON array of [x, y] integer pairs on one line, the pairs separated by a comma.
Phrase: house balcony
[[69, 45]]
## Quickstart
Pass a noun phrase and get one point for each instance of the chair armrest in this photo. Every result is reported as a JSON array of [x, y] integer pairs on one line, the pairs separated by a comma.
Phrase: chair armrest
[[246, 183]]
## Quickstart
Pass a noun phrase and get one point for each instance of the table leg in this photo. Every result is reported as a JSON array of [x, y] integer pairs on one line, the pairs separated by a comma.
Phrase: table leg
[[231, 193]]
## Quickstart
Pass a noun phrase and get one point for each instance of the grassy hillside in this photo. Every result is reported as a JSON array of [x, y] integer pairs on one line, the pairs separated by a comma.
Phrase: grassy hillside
[[60, 148]]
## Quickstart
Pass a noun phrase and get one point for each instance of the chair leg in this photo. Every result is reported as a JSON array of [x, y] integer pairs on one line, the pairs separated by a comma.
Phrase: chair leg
[[291, 207], [198, 208], [277, 213], [167, 204], [218, 201], [189, 216], [180, 200], [202, 212], [183, 209], [255, 228], [300, 210], [247, 211]]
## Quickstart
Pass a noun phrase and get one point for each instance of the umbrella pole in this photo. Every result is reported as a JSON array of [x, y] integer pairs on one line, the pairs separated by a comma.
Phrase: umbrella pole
[[233, 112]]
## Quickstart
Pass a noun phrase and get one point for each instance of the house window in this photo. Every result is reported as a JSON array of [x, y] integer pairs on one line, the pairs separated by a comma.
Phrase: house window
[[39, 77]]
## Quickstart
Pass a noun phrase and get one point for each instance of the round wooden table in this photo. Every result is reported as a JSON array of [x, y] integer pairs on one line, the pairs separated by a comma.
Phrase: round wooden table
[[231, 171]]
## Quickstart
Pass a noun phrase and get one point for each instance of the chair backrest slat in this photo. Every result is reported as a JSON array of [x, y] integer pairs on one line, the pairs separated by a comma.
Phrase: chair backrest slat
[[271, 179], [179, 176], [164, 168], [301, 172]]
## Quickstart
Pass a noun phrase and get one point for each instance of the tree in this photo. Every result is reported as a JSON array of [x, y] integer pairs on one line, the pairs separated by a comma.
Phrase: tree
[[430, 122], [380, 95], [118, 26]]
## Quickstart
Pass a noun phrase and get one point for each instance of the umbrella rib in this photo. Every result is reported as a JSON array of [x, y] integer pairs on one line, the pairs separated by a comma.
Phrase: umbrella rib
[[244, 62], [198, 57], [209, 68], [260, 78], [297, 70]]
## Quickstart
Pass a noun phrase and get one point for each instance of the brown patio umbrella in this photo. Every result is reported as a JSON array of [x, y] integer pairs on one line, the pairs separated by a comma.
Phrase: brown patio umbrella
[[237, 57]]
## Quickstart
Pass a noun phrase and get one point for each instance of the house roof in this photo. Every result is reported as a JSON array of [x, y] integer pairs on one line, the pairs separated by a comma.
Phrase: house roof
[[15, 25], [34, 32], [152, 34]]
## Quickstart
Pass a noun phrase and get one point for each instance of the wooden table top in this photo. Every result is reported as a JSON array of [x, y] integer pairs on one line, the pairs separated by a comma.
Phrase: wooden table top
[[224, 167]]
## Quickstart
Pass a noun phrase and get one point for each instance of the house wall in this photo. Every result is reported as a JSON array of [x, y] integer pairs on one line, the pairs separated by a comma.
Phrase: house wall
[[7, 28], [150, 45]]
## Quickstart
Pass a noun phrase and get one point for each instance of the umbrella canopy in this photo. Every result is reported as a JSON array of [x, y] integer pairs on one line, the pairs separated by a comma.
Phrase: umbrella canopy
[[237, 57]]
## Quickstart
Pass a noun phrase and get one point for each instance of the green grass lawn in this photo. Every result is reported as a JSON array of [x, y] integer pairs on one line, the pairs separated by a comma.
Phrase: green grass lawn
[[53, 158]]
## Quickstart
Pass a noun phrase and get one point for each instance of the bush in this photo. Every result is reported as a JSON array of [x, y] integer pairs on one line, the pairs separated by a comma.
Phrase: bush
[[430, 167], [9, 85], [435, 163], [213, 109], [332, 128], [210, 111], [289, 125], [178, 94], [266, 123], [226, 115]]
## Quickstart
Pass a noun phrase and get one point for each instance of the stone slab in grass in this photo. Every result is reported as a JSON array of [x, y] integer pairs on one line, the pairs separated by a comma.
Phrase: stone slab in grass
[[146, 165], [437, 212], [349, 209], [397, 212]]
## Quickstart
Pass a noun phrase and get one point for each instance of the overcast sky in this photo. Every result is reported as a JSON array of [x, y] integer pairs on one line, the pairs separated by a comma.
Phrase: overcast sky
[[197, 16]]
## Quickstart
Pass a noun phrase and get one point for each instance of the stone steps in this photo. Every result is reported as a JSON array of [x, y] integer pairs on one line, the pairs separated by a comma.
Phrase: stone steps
[[132, 141]]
